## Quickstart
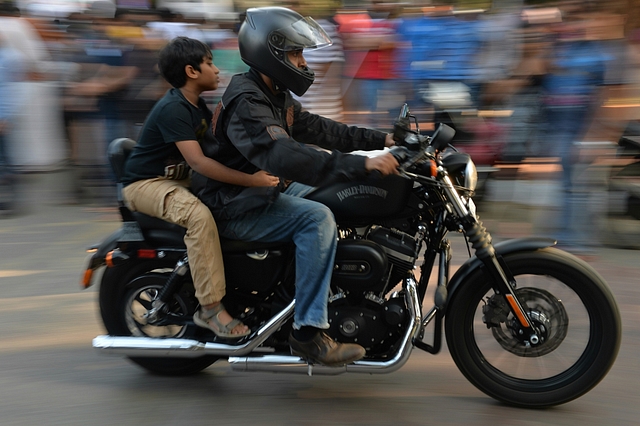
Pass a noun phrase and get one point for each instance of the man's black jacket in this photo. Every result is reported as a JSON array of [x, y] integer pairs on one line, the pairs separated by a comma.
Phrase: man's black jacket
[[256, 130]]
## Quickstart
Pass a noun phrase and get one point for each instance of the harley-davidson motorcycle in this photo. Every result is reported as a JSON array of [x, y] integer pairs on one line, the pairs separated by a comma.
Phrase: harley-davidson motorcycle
[[526, 323]]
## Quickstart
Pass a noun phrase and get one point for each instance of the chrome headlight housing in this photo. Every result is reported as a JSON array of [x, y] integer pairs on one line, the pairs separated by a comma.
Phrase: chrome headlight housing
[[462, 170], [470, 176]]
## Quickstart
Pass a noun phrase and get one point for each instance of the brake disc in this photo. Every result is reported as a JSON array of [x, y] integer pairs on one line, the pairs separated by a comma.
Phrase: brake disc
[[547, 314]]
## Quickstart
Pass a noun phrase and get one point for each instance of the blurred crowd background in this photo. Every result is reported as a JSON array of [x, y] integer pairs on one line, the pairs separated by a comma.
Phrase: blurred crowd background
[[551, 84]]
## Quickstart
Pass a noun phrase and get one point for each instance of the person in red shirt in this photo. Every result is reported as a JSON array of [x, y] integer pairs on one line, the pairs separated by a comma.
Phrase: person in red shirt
[[369, 41]]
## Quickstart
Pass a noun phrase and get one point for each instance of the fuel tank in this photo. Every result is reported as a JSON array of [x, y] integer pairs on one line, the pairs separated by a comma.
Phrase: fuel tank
[[370, 198]]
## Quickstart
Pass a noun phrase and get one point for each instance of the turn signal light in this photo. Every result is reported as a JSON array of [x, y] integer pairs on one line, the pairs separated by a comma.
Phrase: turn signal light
[[429, 168], [86, 279], [433, 168], [115, 257]]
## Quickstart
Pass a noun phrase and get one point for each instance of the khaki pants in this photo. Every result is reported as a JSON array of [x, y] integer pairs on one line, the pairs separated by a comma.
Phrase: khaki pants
[[172, 201]]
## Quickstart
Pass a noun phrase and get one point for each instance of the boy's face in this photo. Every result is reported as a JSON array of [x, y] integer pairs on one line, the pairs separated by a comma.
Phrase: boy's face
[[209, 75]]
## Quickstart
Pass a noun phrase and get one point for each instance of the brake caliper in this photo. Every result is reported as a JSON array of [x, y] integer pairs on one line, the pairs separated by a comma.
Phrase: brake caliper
[[495, 311]]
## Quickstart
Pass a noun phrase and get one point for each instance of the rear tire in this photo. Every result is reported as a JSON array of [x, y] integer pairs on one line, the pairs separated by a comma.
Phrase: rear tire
[[581, 323], [126, 293]]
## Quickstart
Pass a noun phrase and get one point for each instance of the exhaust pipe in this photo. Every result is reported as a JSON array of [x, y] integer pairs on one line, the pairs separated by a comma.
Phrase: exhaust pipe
[[282, 364], [245, 358], [293, 364], [188, 348]]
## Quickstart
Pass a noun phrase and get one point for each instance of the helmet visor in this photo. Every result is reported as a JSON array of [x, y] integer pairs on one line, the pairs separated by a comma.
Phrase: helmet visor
[[305, 33]]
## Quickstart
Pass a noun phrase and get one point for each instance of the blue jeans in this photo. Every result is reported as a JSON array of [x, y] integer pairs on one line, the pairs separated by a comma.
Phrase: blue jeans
[[565, 127], [312, 228], [4, 160], [7, 188]]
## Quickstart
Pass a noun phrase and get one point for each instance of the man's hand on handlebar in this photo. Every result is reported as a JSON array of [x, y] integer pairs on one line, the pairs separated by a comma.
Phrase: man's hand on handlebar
[[389, 142], [386, 164]]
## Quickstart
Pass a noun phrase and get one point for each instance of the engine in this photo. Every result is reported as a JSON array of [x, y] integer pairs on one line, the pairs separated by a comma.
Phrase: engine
[[401, 250], [365, 270], [373, 264]]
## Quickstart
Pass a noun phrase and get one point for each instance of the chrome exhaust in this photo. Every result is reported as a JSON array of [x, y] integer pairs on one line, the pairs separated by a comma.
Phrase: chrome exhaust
[[188, 348], [293, 364], [247, 357]]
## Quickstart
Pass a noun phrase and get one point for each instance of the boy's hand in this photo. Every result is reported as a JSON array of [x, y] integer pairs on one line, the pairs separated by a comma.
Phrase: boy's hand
[[262, 178], [386, 164]]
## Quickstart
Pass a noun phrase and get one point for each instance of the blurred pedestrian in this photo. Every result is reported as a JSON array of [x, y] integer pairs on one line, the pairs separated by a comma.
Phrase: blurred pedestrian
[[520, 90], [12, 71], [324, 97], [369, 40], [576, 67], [94, 100], [112, 77], [500, 47], [436, 58], [139, 60]]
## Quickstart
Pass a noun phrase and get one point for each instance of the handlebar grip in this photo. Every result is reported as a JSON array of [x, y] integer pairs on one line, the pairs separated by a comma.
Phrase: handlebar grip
[[404, 111], [401, 128], [400, 153]]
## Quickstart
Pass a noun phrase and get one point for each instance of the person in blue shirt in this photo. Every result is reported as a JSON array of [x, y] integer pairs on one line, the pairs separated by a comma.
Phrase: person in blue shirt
[[576, 67], [12, 70]]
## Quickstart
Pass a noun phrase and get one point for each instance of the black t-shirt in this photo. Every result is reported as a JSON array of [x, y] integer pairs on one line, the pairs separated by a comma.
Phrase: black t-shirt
[[172, 119]]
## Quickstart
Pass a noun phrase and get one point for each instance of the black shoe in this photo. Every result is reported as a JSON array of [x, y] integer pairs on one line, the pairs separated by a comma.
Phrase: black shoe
[[322, 349]]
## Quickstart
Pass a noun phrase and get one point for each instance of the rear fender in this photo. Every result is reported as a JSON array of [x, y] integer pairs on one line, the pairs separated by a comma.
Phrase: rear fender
[[99, 256], [502, 248]]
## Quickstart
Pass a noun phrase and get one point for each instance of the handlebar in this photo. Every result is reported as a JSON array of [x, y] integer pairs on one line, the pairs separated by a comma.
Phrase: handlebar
[[413, 140]]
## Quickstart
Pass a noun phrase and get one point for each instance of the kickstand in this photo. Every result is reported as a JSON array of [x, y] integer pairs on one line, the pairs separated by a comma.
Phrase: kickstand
[[310, 369]]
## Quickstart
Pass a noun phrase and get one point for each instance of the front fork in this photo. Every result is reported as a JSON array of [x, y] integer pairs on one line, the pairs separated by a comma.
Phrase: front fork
[[503, 281]]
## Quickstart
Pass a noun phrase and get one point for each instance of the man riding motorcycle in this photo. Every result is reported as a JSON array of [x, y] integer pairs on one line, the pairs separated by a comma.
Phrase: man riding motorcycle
[[258, 125]]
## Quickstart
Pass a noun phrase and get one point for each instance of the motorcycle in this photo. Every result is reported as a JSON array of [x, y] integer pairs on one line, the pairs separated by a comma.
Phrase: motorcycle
[[617, 174], [625, 178], [526, 323]]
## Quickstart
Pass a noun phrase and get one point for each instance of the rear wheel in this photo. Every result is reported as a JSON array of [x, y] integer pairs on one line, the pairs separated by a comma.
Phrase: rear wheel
[[126, 297], [573, 309]]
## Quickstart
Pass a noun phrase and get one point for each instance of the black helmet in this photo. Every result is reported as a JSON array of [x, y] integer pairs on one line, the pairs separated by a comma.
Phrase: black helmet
[[266, 35]]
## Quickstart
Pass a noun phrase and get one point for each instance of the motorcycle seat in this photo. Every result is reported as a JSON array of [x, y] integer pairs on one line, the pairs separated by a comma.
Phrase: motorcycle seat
[[157, 231], [160, 232]]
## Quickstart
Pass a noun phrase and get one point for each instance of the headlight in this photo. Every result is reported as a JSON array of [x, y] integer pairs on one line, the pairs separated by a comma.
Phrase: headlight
[[462, 170], [470, 175]]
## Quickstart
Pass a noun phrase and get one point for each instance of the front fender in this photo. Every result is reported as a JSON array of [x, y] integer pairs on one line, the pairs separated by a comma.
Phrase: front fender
[[501, 248]]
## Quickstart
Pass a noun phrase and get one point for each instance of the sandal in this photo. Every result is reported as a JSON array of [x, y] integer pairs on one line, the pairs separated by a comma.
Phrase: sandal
[[209, 319]]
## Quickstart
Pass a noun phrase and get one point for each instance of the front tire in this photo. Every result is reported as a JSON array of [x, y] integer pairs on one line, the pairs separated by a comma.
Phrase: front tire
[[126, 293], [569, 301]]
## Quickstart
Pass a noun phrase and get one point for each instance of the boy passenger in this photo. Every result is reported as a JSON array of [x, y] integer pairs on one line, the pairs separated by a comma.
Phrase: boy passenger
[[157, 174]]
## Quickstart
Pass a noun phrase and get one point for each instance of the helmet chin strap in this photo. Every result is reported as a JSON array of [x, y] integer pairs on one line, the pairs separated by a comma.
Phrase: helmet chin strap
[[277, 86]]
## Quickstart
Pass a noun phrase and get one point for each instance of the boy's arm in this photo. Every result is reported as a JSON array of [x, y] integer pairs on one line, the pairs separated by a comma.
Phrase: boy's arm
[[212, 169]]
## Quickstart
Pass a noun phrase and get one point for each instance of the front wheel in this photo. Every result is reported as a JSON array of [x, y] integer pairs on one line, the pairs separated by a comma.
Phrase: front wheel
[[572, 307]]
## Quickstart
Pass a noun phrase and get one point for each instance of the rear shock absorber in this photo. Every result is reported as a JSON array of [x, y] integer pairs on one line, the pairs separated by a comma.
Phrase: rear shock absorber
[[159, 305]]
